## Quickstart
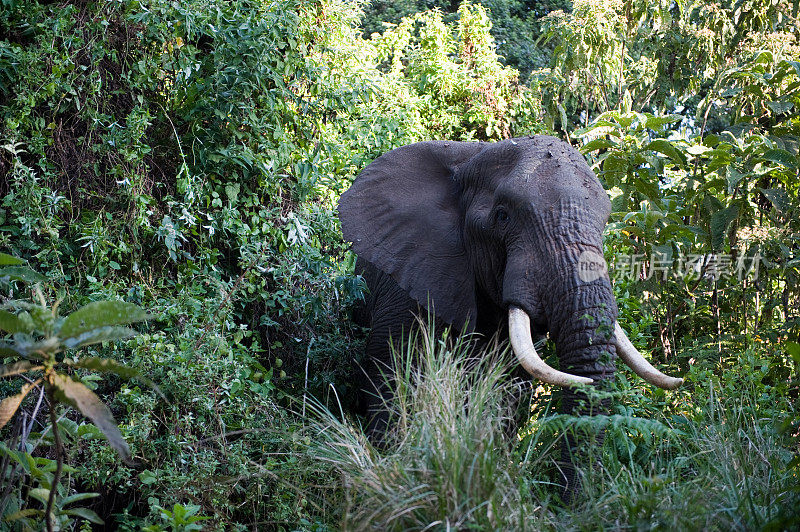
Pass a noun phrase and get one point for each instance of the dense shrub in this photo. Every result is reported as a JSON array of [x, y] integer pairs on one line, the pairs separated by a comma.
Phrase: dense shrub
[[187, 157]]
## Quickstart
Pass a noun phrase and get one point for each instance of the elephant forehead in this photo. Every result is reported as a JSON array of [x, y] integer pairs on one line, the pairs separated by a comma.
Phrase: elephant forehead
[[542, 183]]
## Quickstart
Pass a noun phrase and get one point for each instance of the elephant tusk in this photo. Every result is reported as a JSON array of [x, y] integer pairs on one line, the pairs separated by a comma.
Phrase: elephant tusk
[[519, 332], [634, 359]]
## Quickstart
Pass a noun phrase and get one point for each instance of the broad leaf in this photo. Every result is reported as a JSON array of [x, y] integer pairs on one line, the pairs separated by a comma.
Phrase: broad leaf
[[40, 494], [720, 221], [21, 273], [597, 144], [780, 106], [656, 122], [101, 314], [23, 514], [11, 323], [779, 199], [9, 405], [85, 513], [9, 260], [66, 501], [112, 366], [17, 368], [106, 364], [25, 460], [667, 148], [698, 149], [85, 400], [781, 157], [96, 336], [8, 349]]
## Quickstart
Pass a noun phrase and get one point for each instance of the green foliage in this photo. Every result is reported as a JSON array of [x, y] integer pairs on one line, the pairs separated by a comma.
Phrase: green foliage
[[456, 87], [38, 336], [187, 157], [656, 56], [446, 461], [515, 25], [41, 472], [180, 519]]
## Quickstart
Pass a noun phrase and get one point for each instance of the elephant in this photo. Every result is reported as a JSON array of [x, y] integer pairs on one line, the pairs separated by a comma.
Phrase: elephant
[[489, 236]]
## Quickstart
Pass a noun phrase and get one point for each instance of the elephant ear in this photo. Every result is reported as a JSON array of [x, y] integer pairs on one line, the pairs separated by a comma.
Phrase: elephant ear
[[402, 214]]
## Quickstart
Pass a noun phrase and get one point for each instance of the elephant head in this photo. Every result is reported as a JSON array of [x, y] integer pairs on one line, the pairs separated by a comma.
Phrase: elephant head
[[489, 232]]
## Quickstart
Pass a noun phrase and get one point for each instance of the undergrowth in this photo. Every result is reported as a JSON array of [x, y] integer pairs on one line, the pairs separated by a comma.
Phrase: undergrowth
[[705, 463]]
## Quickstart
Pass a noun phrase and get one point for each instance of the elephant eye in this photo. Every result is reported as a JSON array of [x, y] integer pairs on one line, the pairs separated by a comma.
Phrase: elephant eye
[[501, 215]]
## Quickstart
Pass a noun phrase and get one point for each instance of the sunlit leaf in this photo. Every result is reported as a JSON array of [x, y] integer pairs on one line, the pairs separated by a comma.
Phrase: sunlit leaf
[[23, 514], [8, 260], [101, 314], [40, 494], [667, 148], [9, 405], [779, 198], [697, 149], [597, 144], [78, 395], [781, 157], [657, 122]]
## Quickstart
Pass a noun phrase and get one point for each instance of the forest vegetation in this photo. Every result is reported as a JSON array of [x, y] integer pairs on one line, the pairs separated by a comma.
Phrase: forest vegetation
[[176, 294]]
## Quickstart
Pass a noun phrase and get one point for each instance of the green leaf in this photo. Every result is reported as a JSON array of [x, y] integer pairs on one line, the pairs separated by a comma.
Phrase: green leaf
[[780, 107], [17, 368], [66, 501], [147, 477], [9, 260], [101, 314], [599, 123], [793, 349], [85, 513], [9, 405], [21, 273], [597, 144], [96, 336], [779, 198], [24, 459], [85, 400], [22, 514], [112, 366], [563, 116], [656, 122], [667, 148], [40, 494], [697, 149], [647, 188], [720, 221], [781, 157], [11, 323], [734, 178], [8, 349], [108, 365]]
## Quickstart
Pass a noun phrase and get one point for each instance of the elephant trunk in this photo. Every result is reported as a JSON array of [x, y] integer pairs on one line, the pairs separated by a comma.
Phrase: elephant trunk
[[582, 323]]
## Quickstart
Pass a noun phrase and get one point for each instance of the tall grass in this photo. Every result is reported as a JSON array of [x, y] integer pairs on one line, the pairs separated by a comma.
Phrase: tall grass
[[449, 464]]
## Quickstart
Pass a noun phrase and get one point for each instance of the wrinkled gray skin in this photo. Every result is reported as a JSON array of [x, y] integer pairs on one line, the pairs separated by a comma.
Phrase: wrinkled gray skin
[[475, 228]]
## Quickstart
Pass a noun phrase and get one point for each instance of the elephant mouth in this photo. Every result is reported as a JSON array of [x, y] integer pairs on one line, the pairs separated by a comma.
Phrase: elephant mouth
[[519, 331]]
